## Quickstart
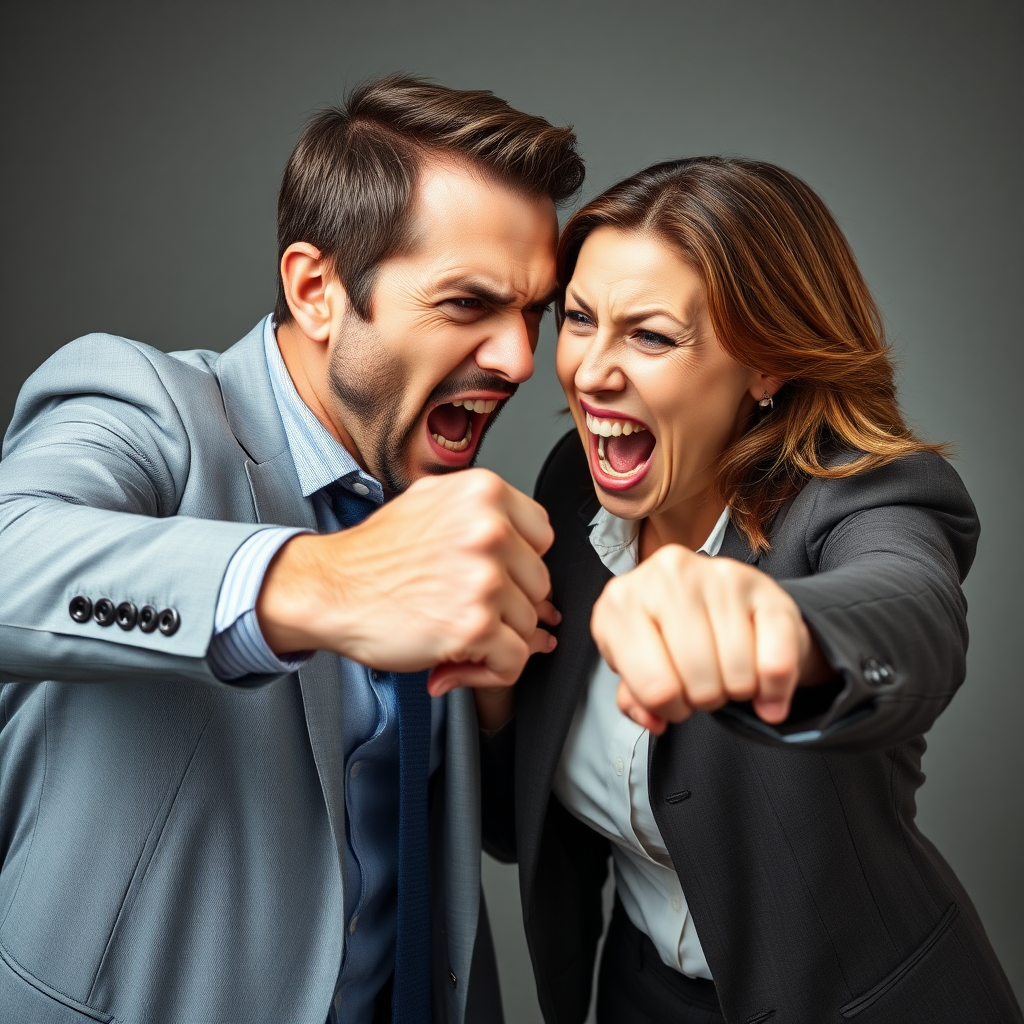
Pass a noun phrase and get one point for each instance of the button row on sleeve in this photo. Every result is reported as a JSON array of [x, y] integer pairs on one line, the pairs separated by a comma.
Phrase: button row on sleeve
[[126, 615]]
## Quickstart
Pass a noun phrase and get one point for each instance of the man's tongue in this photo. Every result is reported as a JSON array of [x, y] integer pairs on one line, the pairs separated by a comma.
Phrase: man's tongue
[[628, 452], [449, 421]]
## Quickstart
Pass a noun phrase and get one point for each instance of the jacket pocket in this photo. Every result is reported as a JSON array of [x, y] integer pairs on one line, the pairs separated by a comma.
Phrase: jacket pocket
[[852, 1008], [25, 998]]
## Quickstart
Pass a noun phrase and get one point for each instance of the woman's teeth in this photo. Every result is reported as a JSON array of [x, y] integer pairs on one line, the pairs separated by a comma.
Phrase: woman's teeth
[[455, 446], [612, 428], [476, 404]]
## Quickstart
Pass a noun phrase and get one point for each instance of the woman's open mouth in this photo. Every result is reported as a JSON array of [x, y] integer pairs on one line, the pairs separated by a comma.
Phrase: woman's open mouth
[[620, 449], [454, 428]]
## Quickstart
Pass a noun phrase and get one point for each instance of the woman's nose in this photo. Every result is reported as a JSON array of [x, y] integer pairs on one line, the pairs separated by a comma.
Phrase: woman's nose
[[599, 370]]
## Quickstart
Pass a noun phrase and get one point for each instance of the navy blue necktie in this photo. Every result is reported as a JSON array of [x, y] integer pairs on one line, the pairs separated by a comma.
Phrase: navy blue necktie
[[410, 1003]]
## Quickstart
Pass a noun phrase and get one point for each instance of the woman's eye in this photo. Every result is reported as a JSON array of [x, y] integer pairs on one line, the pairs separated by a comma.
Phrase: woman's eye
[[578, 318], [652, 340]]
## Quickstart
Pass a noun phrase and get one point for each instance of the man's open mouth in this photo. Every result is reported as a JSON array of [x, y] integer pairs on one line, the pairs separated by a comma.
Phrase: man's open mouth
[[454, 425], [620, 449]]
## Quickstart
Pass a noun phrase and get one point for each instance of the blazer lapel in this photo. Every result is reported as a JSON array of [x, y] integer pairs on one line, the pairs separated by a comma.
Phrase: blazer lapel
[[553, 686], [734, 545], [251, 409]]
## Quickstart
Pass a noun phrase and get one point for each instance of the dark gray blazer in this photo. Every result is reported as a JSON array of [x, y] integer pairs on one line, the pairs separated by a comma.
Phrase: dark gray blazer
[[170, 846], [814, 894]]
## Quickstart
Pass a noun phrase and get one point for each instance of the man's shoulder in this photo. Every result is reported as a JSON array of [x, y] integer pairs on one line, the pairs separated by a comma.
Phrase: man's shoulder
[[129, 386], [101, 363]]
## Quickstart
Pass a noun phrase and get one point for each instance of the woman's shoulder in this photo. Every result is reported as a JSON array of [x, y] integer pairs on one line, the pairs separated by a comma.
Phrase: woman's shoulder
[[922, 478], [896, 497]]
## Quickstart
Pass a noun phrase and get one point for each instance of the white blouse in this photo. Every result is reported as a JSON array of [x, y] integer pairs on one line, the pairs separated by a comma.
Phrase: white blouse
[[602, 780]]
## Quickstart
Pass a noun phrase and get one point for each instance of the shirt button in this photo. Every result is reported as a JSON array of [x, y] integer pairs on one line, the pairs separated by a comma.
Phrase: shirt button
[[676, 903], [374, 675], [619, 765], [360, 488], [353, 924], [356, 769]]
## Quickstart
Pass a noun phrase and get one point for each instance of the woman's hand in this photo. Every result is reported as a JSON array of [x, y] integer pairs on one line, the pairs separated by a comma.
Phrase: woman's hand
[[684, 632]]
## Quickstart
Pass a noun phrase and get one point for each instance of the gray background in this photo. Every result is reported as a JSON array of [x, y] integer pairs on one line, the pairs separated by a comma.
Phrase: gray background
[[142, 149]]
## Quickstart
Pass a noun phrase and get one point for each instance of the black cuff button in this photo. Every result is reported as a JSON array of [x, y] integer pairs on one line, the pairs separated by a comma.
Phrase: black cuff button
[[147, 618], [876, 672], [80, 608], [169, 621], [127, 615], [103, 611]]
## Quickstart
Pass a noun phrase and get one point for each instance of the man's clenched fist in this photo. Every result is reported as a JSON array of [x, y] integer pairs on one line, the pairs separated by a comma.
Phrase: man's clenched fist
[[447, 574]]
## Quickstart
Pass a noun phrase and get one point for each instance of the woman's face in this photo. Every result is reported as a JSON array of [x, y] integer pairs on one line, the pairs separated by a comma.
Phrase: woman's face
[[655, 397]]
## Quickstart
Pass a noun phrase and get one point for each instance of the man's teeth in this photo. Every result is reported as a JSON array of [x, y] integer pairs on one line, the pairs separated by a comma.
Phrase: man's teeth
[[455, 446], [612, 428], [476, 404]]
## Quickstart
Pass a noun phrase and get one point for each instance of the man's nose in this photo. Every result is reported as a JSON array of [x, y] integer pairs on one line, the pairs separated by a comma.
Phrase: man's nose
[[508, 351]]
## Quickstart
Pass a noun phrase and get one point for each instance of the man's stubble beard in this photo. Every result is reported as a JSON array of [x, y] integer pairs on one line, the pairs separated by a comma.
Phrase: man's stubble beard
[[367, 385]]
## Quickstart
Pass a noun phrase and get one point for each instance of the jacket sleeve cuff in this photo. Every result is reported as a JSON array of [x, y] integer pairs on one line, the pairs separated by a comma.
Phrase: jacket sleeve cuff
[[238, 648]]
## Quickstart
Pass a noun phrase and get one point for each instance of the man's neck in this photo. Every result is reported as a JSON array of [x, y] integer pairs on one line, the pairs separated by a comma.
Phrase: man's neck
[[306, 363]]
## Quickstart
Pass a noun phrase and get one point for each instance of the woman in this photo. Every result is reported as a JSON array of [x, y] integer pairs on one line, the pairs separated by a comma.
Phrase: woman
[[725, 368]]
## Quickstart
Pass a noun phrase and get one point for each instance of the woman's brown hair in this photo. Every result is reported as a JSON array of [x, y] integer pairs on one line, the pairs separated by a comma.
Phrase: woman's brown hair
[[786, 298]]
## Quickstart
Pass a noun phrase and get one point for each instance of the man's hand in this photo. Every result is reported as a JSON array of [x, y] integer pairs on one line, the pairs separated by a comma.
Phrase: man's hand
[[687, 632], [447, 574]]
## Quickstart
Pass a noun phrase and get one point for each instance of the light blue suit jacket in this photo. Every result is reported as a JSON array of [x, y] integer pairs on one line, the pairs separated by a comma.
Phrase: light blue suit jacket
[[171, 846]]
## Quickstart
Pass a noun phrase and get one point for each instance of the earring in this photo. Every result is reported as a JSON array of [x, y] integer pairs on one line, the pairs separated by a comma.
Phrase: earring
[[767, 403]]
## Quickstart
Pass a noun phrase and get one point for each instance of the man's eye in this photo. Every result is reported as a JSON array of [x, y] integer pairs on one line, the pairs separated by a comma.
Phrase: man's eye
[[467, 303]]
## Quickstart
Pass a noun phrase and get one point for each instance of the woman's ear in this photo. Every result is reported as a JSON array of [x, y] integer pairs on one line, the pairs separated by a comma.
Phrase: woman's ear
[[310, 289], [765, 386]]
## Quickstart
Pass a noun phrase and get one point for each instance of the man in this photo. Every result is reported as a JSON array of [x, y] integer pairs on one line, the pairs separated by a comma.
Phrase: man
[[200, 820]]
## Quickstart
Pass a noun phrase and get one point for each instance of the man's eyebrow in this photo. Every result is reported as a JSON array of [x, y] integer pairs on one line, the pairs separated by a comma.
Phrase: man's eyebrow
[[479, 290]]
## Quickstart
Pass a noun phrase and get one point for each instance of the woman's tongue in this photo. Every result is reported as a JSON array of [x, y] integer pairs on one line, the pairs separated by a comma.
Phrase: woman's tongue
[[450, 421], [628, 452]]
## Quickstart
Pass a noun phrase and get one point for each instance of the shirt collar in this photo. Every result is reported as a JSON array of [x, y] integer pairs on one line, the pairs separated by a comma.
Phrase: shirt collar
[[616, 540], [319, 459]]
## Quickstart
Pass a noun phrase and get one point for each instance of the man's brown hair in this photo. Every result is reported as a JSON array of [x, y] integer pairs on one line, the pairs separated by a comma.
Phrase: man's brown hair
[[349, 184], [786, 298]]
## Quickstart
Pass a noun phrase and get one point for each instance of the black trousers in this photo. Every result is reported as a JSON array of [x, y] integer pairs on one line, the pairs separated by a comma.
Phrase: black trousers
[[634, 986]]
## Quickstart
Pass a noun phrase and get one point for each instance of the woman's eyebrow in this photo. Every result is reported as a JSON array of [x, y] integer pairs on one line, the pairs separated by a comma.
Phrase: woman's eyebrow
[[648, 314], [579, 302]]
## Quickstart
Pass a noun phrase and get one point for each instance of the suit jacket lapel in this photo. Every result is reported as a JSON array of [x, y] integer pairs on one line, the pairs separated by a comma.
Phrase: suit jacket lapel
[[734, 545], [251, 409], [553, 686]]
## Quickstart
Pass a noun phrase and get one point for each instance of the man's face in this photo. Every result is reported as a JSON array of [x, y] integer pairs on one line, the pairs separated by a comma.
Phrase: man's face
[[453, 329]]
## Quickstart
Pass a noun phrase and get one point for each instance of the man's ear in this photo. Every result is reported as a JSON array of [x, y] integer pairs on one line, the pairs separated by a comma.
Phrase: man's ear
[[310, 289]]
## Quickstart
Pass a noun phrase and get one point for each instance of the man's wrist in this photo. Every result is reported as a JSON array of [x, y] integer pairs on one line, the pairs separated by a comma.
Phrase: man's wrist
[[298, 608]]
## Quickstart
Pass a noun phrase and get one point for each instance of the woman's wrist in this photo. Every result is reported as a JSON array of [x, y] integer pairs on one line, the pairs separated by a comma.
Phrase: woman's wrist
[[495, 705]]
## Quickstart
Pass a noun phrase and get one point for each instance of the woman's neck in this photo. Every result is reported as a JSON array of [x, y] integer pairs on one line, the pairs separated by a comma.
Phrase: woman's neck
[[689, 523]]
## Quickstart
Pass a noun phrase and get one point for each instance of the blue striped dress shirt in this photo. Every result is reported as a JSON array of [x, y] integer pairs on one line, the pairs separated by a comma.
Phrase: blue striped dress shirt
[[370, 729]]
